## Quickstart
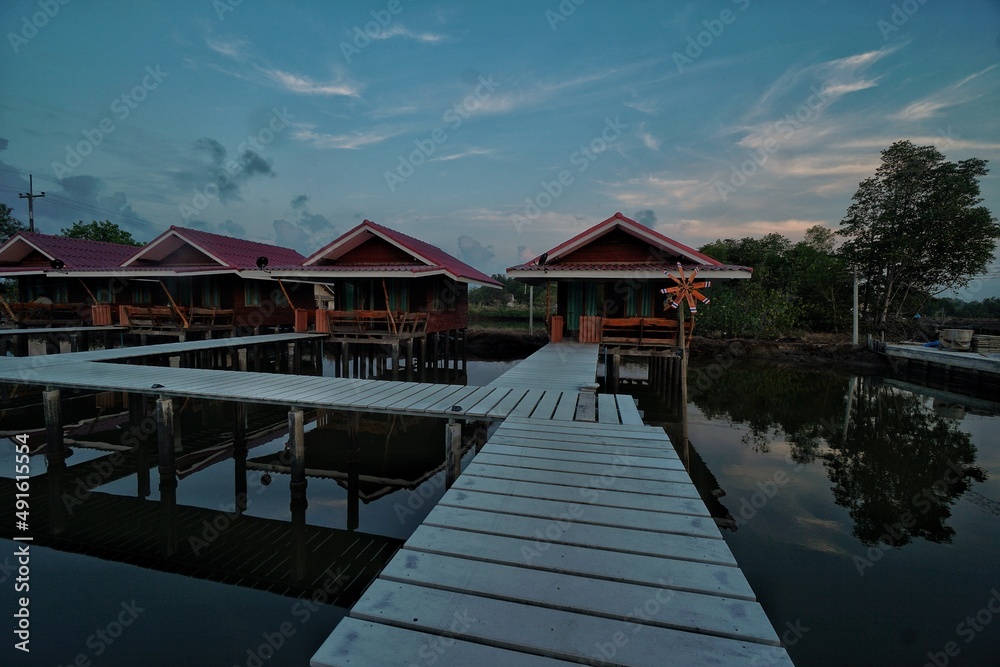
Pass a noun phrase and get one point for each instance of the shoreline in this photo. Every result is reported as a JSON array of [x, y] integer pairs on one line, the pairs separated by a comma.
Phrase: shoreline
[[809, 350]]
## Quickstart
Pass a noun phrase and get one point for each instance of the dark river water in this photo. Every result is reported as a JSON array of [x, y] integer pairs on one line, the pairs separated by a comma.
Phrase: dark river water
[[865, 513]]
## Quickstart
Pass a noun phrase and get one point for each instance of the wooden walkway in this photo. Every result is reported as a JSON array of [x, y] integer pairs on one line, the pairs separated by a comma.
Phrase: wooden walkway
[[562, 543], [966, 361], [568, 366]]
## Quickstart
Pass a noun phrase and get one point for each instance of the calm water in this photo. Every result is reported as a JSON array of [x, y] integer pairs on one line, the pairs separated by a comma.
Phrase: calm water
[[867, 512], [866, 518]]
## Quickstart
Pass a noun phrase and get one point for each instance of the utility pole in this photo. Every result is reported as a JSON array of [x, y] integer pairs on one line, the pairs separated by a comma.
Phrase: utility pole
[[854, 334], [30, 196]]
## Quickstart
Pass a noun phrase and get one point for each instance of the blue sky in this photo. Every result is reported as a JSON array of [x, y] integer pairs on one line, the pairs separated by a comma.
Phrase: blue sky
[[493, 130]]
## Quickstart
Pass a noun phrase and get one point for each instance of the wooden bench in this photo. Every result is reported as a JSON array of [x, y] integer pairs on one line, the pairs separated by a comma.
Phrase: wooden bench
[[641, 331]]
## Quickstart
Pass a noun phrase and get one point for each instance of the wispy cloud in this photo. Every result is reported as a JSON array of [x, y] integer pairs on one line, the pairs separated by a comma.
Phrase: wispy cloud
[[399, 30], [472, 152], [296, 83], [237, 49], [953, 95], [349, 141], [651, 142]]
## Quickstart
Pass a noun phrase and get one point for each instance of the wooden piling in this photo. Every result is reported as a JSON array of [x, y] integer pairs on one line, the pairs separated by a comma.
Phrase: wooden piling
[[452, 451], [297, 447], [55, 449]]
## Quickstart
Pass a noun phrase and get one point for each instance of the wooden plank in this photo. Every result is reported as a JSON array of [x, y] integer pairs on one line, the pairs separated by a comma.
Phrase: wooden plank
[[625, 430], [594, 563], [566, 410], [549, 632], [660, 522], [578, 454], [619, 468], [360, 643], [443, 394], [550, 433], [692, 612], [563, 531], [628, 410], [584, 495], [508, 403], [586, 407], [456, 398], [608, 479], [413, 389], [607, 409], [480, 402], [546, 405], [527, 404], [416, 399]]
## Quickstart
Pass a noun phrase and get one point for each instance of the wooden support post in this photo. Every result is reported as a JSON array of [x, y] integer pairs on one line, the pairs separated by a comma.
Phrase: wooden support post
[[395, 360], [617, 365], [55, 449], [409, 359], [165, 435], [452, 452], [345, 360], [241, 359], [423, 351], [465, 353], [297, 448], [294, 353]]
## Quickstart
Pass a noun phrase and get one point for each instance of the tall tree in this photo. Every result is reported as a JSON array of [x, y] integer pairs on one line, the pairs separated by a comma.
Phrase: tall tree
[[9, 225], [916, 228], [105, 230]]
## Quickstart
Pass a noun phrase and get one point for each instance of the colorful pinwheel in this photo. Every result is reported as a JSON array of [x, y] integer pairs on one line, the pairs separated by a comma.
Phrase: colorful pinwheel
[[686, 289]]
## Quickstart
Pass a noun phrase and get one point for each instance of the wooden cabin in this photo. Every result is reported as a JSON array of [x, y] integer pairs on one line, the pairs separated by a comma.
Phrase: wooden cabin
[[189, 280], [181, 282], [48, 290], [608, 281], [383, 285]]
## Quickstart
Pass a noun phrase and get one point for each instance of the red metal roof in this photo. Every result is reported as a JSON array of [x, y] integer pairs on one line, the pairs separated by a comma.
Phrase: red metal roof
[[434, 256], [237, 253], [624, 266], [76, 253], [619, 221]]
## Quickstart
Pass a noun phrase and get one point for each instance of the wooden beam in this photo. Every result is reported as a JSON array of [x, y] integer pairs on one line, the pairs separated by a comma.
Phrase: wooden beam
[[174, 305]]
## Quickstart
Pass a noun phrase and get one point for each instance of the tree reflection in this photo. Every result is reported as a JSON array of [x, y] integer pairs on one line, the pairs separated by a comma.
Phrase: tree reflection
[[898, 467], [894, 464]]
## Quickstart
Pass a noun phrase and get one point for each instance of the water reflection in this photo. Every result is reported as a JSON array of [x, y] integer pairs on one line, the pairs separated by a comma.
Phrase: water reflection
[[897, 462], [204, 510]]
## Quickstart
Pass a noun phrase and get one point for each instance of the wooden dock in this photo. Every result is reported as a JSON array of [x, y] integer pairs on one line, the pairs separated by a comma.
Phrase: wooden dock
[[562, 543], [966, 361]]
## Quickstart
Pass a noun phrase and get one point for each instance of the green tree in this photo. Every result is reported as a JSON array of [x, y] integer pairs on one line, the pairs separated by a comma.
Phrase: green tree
[[105, 230], [916, 228], [9, 225]]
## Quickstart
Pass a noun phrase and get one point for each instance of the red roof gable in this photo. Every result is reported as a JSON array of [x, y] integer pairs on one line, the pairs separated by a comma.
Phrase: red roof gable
[[630, 226], [432, 256], [74, 253], [233, 253]]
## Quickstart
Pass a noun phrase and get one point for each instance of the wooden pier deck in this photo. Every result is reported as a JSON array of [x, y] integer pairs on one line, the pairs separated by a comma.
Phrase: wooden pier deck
[[562, 543], [965, 361]]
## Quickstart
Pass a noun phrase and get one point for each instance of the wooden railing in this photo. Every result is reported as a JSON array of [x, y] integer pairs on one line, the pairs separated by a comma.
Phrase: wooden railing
[[43, 313], [643, 331], [168, 317], [371, 323]]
